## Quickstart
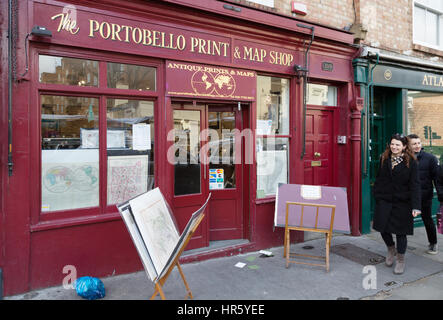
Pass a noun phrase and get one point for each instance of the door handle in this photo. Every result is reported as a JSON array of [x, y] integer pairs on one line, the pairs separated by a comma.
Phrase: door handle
[[317, 154]]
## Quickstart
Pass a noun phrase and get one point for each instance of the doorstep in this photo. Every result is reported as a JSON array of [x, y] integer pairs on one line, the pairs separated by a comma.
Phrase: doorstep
[[218, 249]]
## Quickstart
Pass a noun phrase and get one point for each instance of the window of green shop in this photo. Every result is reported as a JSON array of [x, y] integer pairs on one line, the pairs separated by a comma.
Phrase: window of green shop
[[424, 114]]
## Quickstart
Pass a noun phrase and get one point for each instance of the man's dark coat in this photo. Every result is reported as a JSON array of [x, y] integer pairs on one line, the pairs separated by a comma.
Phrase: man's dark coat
[[428, 173]]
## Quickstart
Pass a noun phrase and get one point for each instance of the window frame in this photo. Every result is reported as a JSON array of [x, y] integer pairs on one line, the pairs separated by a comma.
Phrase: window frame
[[41, 220], [439, 30]]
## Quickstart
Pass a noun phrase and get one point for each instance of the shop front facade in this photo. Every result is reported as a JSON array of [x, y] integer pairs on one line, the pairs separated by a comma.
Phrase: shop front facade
[[401, 97], [188, 96]]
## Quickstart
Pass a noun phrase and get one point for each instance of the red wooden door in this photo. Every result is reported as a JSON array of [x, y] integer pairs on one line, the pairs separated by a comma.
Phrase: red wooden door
[[225, 173], [204, 163], [318, 159], [190, 188]]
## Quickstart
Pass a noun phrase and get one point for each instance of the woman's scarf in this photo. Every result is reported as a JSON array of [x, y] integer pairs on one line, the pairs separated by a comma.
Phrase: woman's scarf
[[396, 160]]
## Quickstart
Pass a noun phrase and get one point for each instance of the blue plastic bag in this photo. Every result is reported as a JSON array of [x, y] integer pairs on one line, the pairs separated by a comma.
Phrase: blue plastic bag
[[90, 288]]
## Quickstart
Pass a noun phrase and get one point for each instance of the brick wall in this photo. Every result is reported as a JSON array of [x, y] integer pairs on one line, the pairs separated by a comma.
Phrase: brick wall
[[388, 22]]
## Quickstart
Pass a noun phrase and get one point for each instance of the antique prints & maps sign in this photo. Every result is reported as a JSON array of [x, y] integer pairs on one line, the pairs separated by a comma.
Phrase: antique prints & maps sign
[[194, 80]]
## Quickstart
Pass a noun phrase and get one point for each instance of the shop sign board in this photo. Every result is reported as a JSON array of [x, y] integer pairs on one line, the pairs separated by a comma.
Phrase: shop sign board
[[390, 76], [83, 27], [205, 81]]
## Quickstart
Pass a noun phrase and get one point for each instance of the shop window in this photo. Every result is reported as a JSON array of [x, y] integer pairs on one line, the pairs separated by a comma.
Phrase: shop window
[[75, 160], [272, 131], [70, 153], [321, 95], [68, 71], [130, 148], [126, 76], [427, 23], [424, 114]]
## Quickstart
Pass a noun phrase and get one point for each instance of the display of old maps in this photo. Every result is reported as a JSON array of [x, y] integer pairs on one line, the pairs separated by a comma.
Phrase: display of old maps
[[70, 179], [127, 177], [154, 232], [271, 170]]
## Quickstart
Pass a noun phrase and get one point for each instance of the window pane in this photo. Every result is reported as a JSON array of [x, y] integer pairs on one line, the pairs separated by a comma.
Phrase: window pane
[[321, 95], [70, 155], [272, 165], [187, 150], [419, 24], [425, 111], [221, 150], [272, 105], [68, 71], [126, 76], [130, 148], [431, 28]]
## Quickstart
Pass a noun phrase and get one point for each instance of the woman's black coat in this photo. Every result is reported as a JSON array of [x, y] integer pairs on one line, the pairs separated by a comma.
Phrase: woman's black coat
[[396, 192]]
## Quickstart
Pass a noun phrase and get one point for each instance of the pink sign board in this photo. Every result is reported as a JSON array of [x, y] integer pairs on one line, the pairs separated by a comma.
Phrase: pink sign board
[[312, 194], [195, 80]]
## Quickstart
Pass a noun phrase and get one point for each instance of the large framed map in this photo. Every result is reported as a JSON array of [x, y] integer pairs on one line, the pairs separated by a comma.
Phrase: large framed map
[[271, 170], [70, 179], [127, 177]]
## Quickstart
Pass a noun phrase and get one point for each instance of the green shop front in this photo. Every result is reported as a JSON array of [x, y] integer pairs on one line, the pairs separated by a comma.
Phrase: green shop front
[[397, 99]]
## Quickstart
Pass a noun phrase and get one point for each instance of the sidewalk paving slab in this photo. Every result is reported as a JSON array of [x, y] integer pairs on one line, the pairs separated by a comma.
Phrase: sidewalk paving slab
[[269, 279]]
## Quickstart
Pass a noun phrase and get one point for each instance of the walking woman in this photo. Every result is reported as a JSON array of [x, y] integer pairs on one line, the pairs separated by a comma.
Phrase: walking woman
[[398, 198]]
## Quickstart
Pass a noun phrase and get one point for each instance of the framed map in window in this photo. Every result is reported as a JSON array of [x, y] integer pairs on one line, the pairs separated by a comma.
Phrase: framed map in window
[[127, 177]]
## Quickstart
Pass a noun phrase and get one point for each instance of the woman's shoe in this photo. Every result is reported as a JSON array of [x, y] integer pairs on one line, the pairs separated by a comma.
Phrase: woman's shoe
[[400, 265], [390, 256]]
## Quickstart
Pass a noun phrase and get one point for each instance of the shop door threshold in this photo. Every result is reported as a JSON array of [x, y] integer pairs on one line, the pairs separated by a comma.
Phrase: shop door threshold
[[217, 246]]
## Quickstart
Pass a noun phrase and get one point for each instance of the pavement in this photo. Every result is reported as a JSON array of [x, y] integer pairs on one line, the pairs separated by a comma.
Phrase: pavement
[[267, 278]]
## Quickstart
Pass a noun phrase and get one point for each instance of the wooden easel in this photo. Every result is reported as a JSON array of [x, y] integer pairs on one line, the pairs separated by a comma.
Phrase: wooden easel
[[160, 282], [327, 232]]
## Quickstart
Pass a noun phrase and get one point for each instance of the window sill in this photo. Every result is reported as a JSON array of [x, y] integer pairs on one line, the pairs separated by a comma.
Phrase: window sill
[[265, 200], [425, 49], [77, 221]]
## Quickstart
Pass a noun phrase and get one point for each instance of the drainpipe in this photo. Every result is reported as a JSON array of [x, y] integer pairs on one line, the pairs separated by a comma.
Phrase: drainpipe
[[10, 163], [355, 146], [304, 70], [370, 90]]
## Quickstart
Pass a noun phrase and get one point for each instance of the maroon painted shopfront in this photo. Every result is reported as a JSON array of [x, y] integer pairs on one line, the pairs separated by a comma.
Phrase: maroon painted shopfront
[[182, 95]]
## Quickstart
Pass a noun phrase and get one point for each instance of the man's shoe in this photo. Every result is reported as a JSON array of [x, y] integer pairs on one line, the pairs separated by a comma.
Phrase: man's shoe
[[433, 249]]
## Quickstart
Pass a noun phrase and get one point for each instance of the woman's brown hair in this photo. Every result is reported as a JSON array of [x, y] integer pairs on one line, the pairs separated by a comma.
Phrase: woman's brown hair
[[407, 154]]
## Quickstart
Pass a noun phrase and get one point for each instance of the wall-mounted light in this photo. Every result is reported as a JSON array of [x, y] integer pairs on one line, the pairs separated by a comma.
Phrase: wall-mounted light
[[40, 32], [36, 31], [300, 70]]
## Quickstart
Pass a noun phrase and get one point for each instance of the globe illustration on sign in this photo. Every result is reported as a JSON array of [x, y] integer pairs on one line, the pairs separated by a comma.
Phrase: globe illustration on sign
[[202, 82], [224, 84], [86, 178], [58, 179]]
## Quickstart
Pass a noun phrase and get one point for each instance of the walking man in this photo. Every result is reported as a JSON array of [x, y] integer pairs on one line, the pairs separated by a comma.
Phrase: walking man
[[428, 171]]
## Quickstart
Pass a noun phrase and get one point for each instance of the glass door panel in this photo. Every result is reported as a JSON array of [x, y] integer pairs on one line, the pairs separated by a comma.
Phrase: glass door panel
[[221, 150], [187, 166]]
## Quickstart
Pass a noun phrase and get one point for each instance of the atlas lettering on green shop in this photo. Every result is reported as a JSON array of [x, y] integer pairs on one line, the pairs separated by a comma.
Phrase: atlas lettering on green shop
[[432, 81]]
